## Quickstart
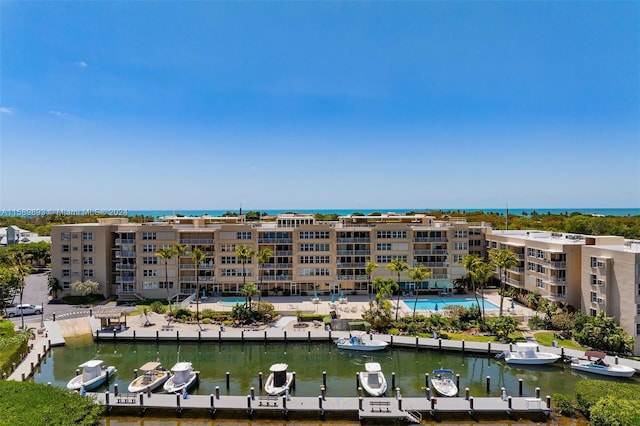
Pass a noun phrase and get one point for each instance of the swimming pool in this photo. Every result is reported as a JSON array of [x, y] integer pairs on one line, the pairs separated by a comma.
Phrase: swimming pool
[[437, 304], [232, 301]]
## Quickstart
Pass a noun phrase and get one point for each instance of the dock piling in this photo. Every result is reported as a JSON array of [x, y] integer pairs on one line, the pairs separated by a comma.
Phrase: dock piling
[[141, 399], [360, 399], [400, 403], [260, 380], [462, 345], [359, 390], [357, 381], [434, 401], [471, 403], [218, 392], [253, 392], [106, 398], [426, 380], [212, 399], [324, 379], [417, 343], [439, 344], [548, 401], [519, 387], [466, 393], [135, 373], [489, 348], [249, 403], [323, 392], [428, 392], [320, 402], [393, 380], [148, 391], [488, 383], [228, 379], [115, 389], [242, 335], [458, 381], [509, 403], [285, 336], [537, 392], [293, 382]]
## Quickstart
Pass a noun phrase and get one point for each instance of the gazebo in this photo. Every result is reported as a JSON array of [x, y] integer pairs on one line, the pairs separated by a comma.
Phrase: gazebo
[[112, 318]]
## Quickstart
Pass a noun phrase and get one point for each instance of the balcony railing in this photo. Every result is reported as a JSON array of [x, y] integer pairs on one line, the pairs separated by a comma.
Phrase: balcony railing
[[430, 240], [352, 278], [284, 253], [125, 241], [351, 265], [516, 269], [434, 264], [354, 240], [200, 279], [513, 282], [556, 280], [198, 241], [439, 277], [271, 278], [192, 267], [427, 252], [555, 264], [125, 267], [275, 240], [120, 280], [353, 252], [125, 254]]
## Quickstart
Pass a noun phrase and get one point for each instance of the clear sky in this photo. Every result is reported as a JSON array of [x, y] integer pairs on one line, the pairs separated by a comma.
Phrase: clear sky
[[278, 105]]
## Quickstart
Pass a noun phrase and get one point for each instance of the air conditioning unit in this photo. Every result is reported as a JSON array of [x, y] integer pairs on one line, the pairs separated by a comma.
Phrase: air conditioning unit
[[601, 265], [600, 301], [601, 282]]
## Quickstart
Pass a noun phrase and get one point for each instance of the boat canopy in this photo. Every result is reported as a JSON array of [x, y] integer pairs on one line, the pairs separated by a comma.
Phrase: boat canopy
[[91, 369], [279, 374], [278, 367], [150, 366], [372, 367], [443, 371], [181, 373]]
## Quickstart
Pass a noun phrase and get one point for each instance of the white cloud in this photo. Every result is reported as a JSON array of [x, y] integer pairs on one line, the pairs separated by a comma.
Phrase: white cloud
[[82, 64], [7, 110], [60, 114]]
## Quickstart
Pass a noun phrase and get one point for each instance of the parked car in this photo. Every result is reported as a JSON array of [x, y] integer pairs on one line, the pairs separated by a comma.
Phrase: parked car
[[24, 309]]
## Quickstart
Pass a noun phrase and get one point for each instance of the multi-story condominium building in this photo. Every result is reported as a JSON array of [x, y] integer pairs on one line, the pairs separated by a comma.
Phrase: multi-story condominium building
[[308, 255], [611, 284], [550, 263]]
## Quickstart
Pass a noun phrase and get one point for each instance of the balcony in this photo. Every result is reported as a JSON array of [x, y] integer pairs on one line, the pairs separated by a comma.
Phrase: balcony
[[555, 264], [439, 277], [125, 267], [351, 265], [284, 253], [433, 264], [353, 252], [122, 280], [200, 279], [352, 278], [125, 254], [271, 278], [516, 283], [516, 269], [201, 241], [275, 240], [192, 267], [430, 252], [354, 240], [206, 253], [558, 281], [120, 241], [430, 240]]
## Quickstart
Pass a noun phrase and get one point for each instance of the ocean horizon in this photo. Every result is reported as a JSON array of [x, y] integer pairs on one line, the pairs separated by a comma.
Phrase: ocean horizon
[[343, 212]]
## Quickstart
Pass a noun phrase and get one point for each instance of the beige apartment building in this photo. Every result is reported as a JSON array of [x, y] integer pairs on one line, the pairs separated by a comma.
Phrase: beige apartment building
[[308, 256], [550, 263], [611, 284]]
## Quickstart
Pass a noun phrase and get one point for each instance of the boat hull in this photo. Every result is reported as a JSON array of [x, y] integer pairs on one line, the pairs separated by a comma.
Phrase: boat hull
[[272, 390], [445, 387], [361, 345], [142, 384], [611, 370], [541, 358], [172, 387], [377, 390], [76, 383]]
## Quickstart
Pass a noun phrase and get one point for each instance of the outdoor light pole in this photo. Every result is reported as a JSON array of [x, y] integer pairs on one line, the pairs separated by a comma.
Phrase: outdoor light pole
[[42, 315]]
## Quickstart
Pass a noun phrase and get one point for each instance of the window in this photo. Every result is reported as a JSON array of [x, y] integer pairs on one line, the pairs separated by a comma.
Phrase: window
[[228, 248], [148, 248], [149, 273], [391, 234], [594, 297], [65, 260], [539, 254], [228, 260], [148, 235], [389, 258], [88, 273], [594, 262], [461, 246], [150, 260], [541, 269], [311, 235], [460, 233], [150, 285], [637, 308], [314, 272], [457, 258], [243, 235], [87, 261], [65, 249], [87, 248], [601, 282], [539, 283], [75, 235], [66, 273], [165, 284], [594, 279], [322, 247], [531, 266], [383, 246], [531, 252], [638, 329], [87, 235], [66, 285], [314, 259], [593, 312], [64, 236]]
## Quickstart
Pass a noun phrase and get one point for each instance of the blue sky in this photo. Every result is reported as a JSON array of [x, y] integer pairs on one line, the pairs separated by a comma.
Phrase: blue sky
[[277, 105]]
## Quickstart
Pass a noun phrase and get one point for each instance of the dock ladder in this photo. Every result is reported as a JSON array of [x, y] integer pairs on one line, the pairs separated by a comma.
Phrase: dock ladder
[[413, 416]]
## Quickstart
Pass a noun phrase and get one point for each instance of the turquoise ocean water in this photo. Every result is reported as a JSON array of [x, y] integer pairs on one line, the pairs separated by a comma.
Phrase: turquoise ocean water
[[514, 211]]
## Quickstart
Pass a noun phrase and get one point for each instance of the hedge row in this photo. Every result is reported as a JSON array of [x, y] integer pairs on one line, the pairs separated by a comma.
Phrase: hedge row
[[608, 403]]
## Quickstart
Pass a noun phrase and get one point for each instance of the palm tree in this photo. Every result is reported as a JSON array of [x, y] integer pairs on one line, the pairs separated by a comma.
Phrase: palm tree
[[244, 255], [180, 250], [248, 291], [503, 259], [418, 275], [22, 269], [263, 256], [198, 256], [470, 261], [369, 269], [165, 254], [481, 274], [398, 266]]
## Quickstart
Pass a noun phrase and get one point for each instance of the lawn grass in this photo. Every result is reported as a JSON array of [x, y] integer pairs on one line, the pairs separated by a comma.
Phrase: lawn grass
[[545, 338], [517, 336]]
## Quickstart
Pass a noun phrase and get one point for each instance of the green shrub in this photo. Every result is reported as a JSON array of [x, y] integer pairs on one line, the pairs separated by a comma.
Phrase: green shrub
[[564, 404], [206, 321], [158, 307], [613, 411], [589, 392], [183, 314], [537, 323], [310, 317]]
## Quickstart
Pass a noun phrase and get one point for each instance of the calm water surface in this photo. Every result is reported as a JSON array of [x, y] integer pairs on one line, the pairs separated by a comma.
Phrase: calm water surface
[[308, 360]]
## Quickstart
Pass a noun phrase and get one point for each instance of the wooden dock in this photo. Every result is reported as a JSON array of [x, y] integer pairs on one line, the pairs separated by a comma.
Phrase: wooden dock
[[361, 408]]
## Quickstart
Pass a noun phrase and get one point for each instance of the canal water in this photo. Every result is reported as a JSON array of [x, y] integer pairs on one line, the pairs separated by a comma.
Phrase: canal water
[[244, 360]]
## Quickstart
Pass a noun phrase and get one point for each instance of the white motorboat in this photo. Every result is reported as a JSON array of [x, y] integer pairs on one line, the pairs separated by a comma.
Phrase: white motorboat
[[279, 381], [372, 380], [598, 366], [527, 353], [443, 382], [153, 376], [183, 378], [93, 375], [357, 343]]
